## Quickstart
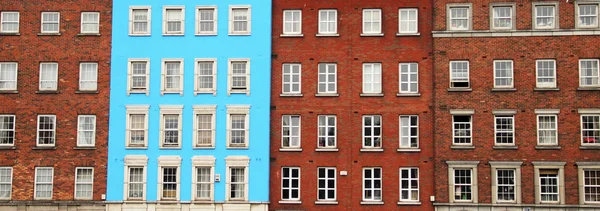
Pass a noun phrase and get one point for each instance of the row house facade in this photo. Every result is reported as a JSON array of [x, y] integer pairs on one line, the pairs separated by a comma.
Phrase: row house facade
[[54, 94], [516, 105], [189, 106], [350, 112]]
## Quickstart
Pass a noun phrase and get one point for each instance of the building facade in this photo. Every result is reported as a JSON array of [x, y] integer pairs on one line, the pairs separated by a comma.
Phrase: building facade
[[54, 95], [351, 123], [190, 105], [516, 105]]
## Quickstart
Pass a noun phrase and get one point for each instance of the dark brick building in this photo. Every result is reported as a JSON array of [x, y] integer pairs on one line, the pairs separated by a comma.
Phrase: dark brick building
[[340, 107], [516, 105], [54, 95]]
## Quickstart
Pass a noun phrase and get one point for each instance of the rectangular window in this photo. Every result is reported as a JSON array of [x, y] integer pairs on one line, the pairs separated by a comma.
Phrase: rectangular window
[[238, 130], [239, 76], [372, 131], [463, 184], [590, 129], [86, 130], [90, 22], [503, 74], [204, 183], [588, 15], [84, 183], [545, 16], [371, 184], [409, 78], [206, 76], [591, 185], [547, 130], [173, 18], [409, 20], [459, 74], [8, 76], [237, 183], [292, 22], [136, 183], [88, 76], [326, 189], [206, 18], [171, 130], [5, 182], [292, 78], [290, 184], [502, 17], [139, 73], [409, 184], [327, 78], [504, 130], [549, 185], [9, 22], [140, 21], [138, 129], [409, 131], [50, 22], [169, 183], [327, 131], [7, 130], [546, 73], [46, 130], [48, 76], [239, 20], [327, 21], [372, 78], [44, 177], [588, 73], [462, 130], [459, 18], [205, 130], [172, 76], [290, 131], [371, 21], [505, 181]]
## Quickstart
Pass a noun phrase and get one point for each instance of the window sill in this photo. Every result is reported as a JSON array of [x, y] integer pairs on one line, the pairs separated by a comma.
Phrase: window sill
[[134, 148], [408, 203], [504, 89], [174, 35], [140, 35], [239, 92], [84, 148], [371, 203], [505, 147], [371, 35], [460, 90], [168, 201], [49, 34], [327, 95], [326, 149], [589, 147], [86, 92], [547, 147], [239, 34], [7, 147], [407, 150], [10, 33], [196, 93], [408, 34], [408, 94], [138, 92], [328, 35], [236, 148], [47, 92], [588, 89], [371, 94], [291, 35], [169, 148], [44, 148], [171, 92], [326, 202], [205, 147], [9, 92], [371, 149], [291, 95], [207, 34], [290, 202], [88, 34], [546, 89], [199, 201], [290, 149], [466, 147]]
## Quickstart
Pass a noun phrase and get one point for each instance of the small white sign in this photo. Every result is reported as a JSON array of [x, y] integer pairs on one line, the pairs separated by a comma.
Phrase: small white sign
[[217, 178], [343, 173]]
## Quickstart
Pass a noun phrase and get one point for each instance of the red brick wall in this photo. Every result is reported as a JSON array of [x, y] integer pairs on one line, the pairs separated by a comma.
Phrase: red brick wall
[[68, 50], [350, 51]]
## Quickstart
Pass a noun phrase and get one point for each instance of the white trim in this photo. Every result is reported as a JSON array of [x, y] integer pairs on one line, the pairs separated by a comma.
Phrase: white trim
[[538, 116], [513, 15], [95, 78], [14, 125], [215, 20], [577, 13], [148, 21], [51, 183], [292, 22], [409, 188], [291, 136], [326, 188], [231, 30], [170, 110], [537, 165], [372, 21], [290, 199], [588, 111], [79, 130], [83, 183], [203, 162], [168, 162], [55, 75], [451, 78], [132, 161], [463, 165], [237, 162], [10, 191], [291, 76], [556, 22], [409, 73], [416, 10], [581, 168], [334, 32], [512, 75], [238, 110], [2, 21], [468, 6], [230, 88], [373, 188], [506, 165], [130, 75], [43, 22], [97, 23], [597, 72], [37, 143], [204, 110], [136, 110], [163, 80], [537, 74], [462, 111], [165, 21], [212, 90], [547, 111], [373, 136]]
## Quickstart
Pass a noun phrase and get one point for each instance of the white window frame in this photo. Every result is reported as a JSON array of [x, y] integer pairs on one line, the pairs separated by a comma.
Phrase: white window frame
[[583, 139], [538, 76], [327, 188], [373, 20], [55, 75], [292, 22], [578, 15], [511, 77], [2, 21], [203, 162], [166, 20], [376, 75], [237, 162], [95, 78], [459, 80], [135, 161], [83, 183], [37, 143], [555, 22], [327, 136], [408, 22], [48, 22], [506, 165], [493, 17], [148, 21], [372, 180], [335, 22], [582, 167], [213, 89], [449, 17], [408, 77], [136, 110], [462, 165], [509, 131], [559, 166], [51, 183], [230, 88], [170, 110], [97, 28], [14, 122], [326, 68], [3, 169], [410, 189], [238, 110], [290, 128], [597, 73], [470, 137], [204, 110], [214, 21], [291, 81], [80, 131], [232, 31], [163, 81], [16, 81], [290, 178], [168, 162], [555, 129], [408, 136], [130, 75], [372, 127]]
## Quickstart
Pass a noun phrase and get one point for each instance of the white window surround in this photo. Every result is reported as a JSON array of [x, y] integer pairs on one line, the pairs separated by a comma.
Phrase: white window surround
[[163, 81], [595, 74], [584, 3], [170, 110], [203, 161], [95, 23], [88, 76], [232, 31], [591, 139], [581, 168], [237, 162], [148, 21], [326, 126], [136, 110], [52, 130], [3, 21], [214, 21], [3, 173], [8, 138], [411, 73], [514, 165], [290, 188], [166, 20], [466, 131], [406, 133], [372, 180], [291, 68], [472, 165], [197, 74], [204, 110], [238, 110], [84, 183], [372, 78], [48, 82], [44, 183], [289, 25], [43, 21], [130, 161], [230, 75], [537, 165], [534, 15], [374, 17], [459, 74], [326, 70], [327, 26], [5, 83], [543, 130], [469, 18], [327, 198], [512, 16], [130, 75], [408, 21], [508, 75], [375, 140], [504, 132], [291, 136], [168, 162], [409, 189], [548, 66], [82, 131]]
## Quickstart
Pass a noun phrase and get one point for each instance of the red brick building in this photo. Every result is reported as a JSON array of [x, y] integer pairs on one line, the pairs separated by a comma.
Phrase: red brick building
[[516, 105], [54, 96], [347, 133]]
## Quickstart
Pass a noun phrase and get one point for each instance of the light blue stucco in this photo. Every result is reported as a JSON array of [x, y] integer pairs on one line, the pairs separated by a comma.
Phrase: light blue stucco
[[256, 47]]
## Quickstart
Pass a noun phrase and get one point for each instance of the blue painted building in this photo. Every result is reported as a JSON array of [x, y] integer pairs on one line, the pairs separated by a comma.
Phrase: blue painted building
[[189, 112]]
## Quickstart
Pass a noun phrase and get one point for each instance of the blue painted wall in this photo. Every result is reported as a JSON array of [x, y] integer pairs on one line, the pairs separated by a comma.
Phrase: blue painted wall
[[256, 47]]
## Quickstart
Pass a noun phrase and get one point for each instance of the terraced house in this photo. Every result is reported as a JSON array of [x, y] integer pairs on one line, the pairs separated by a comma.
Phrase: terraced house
[[190, 105]]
